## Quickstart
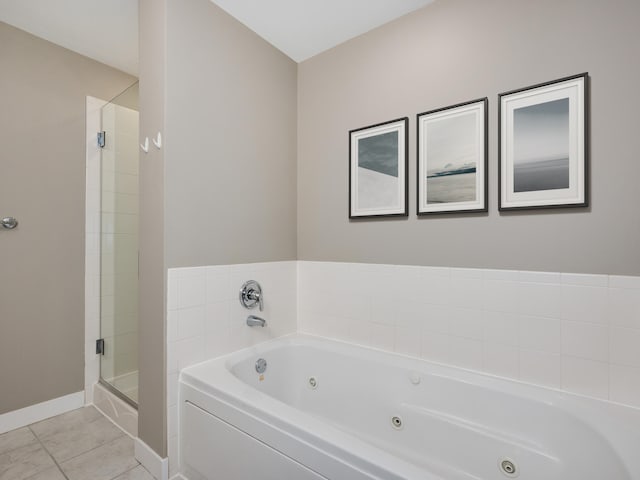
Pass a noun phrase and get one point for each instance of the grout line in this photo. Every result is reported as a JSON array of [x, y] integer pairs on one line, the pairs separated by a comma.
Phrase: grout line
[[87, 451], [12, 449], [48, 453]]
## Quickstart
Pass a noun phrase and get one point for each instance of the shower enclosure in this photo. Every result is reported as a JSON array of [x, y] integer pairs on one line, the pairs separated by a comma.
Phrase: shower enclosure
[[119, 245]]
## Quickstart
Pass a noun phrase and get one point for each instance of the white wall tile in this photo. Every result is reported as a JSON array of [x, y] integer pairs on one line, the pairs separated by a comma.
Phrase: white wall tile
[[385, 309], [623, 307], [467, 323], [437, 318], [585, 280], [539, 333], [501, 328], [172, 357], [539, 277], [172, 421], [358, 332], [172, 326], [435, 287], [585, 304], [540, 368], [191, 288], [408, 341], [539, 299], [586, 377], [465, 353], [501, 360], [500, 296], [625, 346], [172, 389], [466, 292], [473, 273], [172, 289], [620, 281], [437, 272], [191, 322], [624, 385], [218, 284], [189, 352], [435, 346], [585, 340], [500, 275], [382, 336]]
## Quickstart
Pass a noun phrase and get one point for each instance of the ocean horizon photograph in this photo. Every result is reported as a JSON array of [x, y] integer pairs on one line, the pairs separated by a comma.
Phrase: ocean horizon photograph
[[452, 159], [378, 170], [542, 155], [541, 146]]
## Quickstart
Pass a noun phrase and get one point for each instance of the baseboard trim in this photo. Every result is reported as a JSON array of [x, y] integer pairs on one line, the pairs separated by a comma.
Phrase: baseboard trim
[[40, 411], [156, 466]]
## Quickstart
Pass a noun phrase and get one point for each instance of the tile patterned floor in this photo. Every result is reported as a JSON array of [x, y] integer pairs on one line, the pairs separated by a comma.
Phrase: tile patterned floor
[[78, 445]]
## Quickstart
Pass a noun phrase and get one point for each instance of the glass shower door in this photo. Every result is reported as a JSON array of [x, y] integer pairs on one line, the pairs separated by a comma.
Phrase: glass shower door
[[119, 245]]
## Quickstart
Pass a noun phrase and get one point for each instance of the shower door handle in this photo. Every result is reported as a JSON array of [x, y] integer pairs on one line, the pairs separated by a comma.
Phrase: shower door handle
[[9, 223]]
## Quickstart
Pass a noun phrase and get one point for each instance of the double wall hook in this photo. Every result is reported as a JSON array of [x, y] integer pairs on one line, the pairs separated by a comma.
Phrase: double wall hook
[[145, 146], [158, 141]]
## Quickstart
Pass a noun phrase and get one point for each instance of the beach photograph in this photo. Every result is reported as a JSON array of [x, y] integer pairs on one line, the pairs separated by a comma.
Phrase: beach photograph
[[451, 163], [541, 146]]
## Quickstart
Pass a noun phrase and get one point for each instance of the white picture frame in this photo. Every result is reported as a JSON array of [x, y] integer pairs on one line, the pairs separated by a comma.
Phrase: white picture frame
[[543, 145], [378, 163], [452, 159]]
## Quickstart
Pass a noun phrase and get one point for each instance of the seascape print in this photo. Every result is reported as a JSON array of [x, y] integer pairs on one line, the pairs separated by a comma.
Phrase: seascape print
[[451, 150], [541, 146]]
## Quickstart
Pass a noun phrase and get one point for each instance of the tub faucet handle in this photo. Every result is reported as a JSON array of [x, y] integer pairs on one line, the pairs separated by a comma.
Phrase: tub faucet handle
[[251, 295]]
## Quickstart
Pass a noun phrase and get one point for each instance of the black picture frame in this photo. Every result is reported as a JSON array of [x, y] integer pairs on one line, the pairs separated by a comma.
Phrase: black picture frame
[[543, 145], [456, 152], [378, 154]]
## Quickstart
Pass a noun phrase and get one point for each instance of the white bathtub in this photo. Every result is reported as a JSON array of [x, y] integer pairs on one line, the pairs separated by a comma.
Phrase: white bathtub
[[449, 423]]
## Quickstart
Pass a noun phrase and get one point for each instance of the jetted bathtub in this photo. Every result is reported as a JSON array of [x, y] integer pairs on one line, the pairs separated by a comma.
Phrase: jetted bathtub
[[321, 409]]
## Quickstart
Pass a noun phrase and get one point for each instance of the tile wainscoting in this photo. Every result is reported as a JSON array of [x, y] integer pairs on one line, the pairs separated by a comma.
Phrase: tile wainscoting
[[575, 332], [579, 333], [205, 320]]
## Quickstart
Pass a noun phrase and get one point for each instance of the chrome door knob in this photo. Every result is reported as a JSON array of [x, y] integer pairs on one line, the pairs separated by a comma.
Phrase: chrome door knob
[[9, 223]]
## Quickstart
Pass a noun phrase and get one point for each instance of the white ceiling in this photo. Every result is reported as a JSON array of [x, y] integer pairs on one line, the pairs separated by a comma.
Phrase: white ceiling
[[302, 29], [107, 31]]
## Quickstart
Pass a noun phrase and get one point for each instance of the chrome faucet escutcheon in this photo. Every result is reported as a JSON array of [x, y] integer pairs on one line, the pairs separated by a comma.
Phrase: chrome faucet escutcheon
[[251, 295]]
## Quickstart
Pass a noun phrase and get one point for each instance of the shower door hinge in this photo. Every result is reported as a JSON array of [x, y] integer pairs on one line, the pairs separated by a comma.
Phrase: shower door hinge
[[100, 346], [101, 139]]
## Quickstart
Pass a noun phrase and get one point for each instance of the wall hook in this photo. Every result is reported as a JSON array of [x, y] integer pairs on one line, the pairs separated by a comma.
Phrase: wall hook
[[158, 141], [145, 146]]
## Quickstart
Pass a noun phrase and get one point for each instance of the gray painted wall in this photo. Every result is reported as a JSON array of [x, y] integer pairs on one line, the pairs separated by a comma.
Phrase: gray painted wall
[[152, 424], [458, 50], [231, 142], [42, 167], [223, 188]]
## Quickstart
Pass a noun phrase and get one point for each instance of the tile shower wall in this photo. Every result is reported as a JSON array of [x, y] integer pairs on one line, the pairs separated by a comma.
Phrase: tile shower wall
[[205, 319], [579, 333], [119, 248]]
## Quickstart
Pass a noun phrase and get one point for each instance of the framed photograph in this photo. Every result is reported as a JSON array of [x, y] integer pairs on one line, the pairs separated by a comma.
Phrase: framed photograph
[[378, 162], [543, 142], [452, 159]]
